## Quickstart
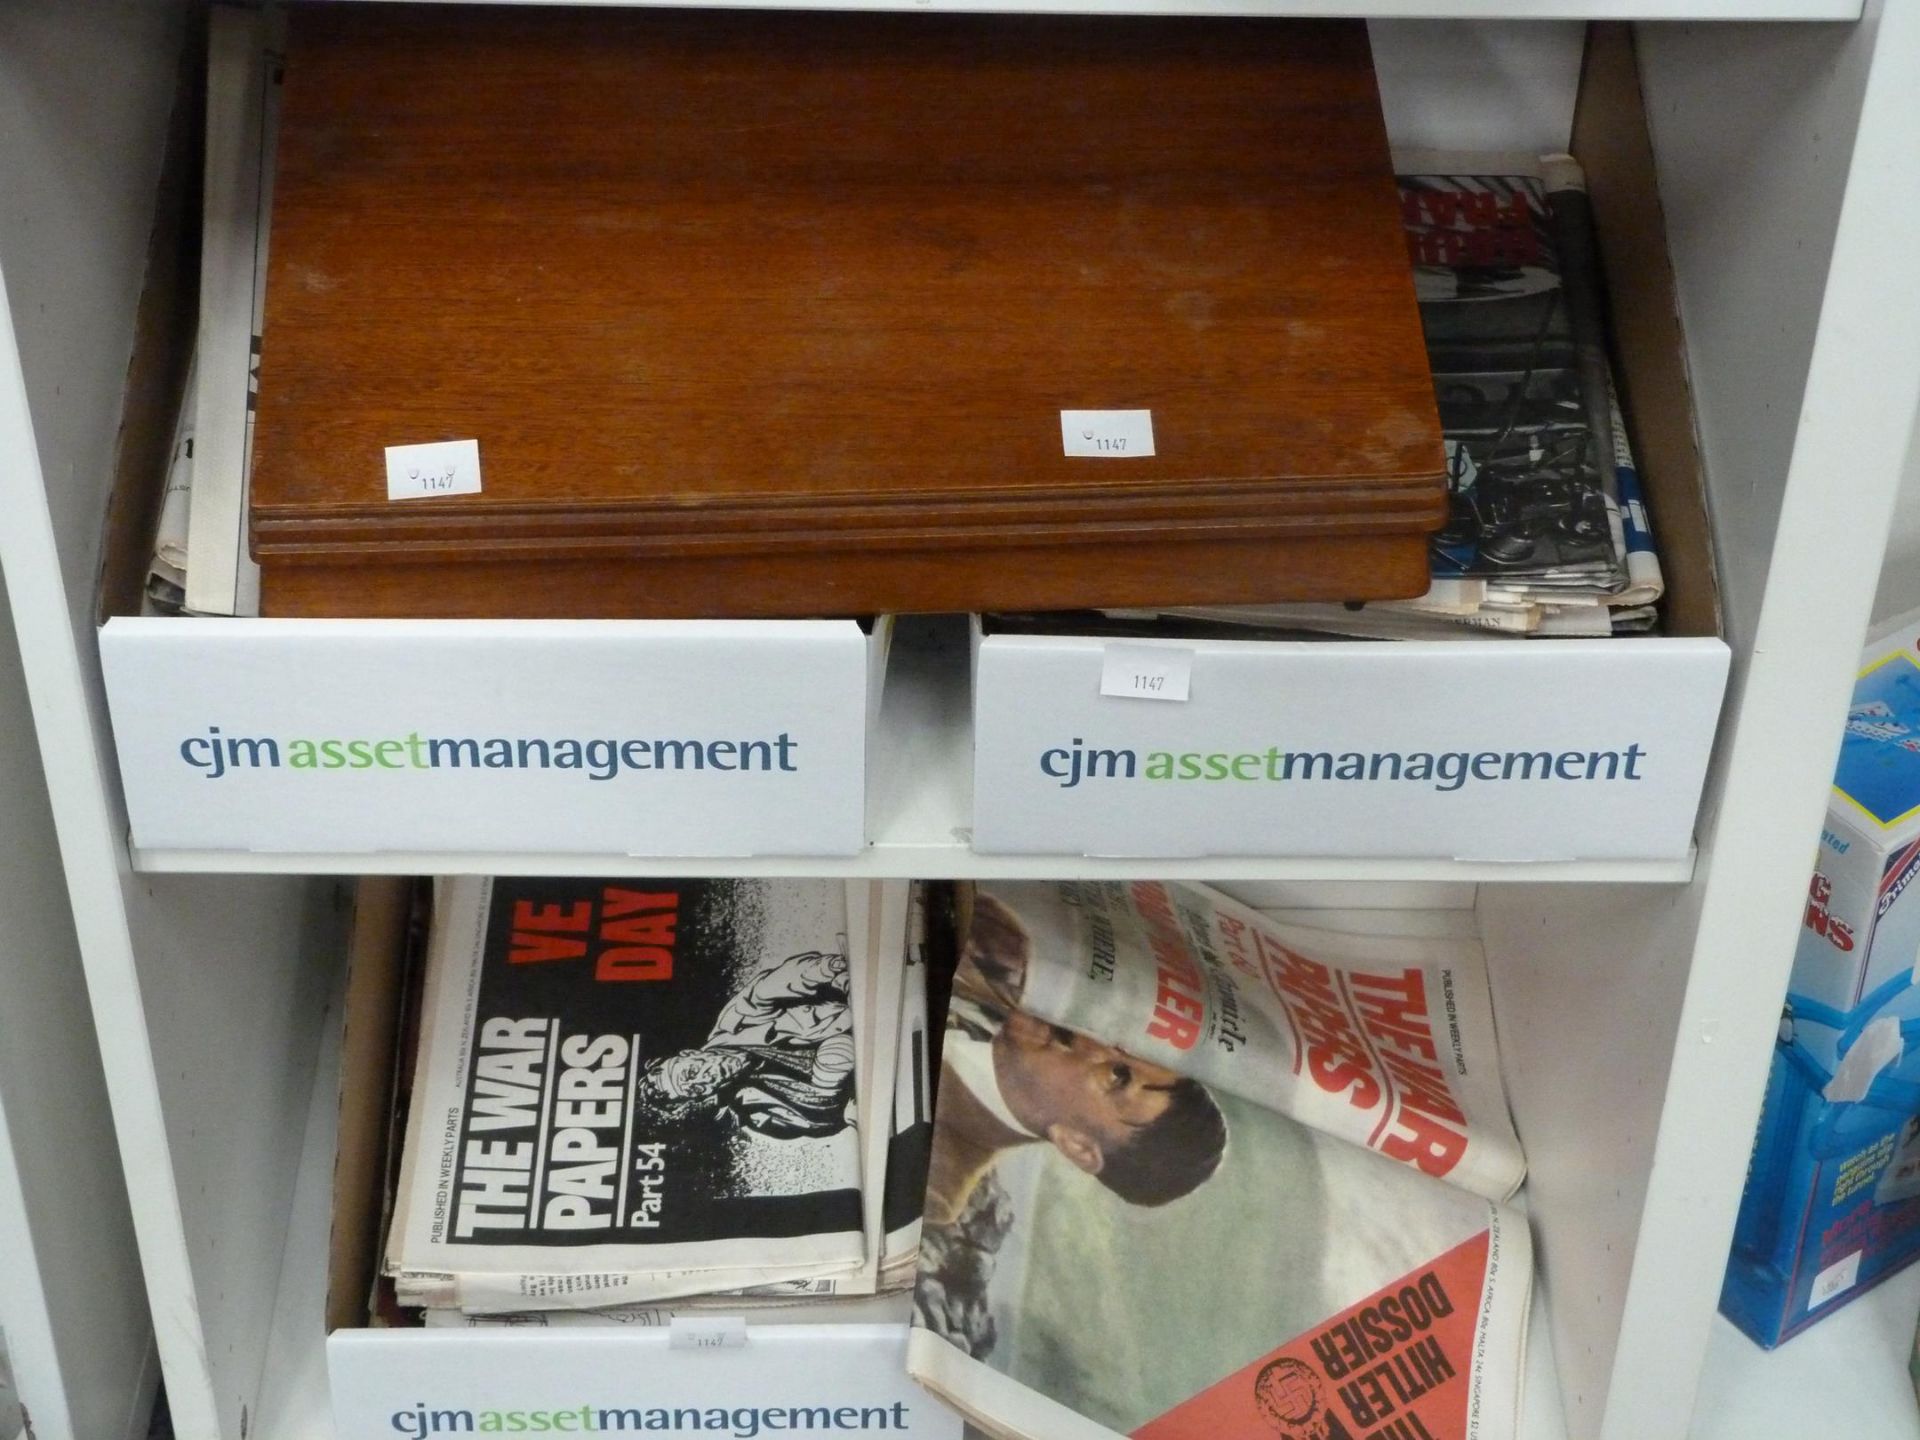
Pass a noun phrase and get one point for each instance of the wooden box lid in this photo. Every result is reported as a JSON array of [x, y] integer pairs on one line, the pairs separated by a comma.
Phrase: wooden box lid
[[711, 276]]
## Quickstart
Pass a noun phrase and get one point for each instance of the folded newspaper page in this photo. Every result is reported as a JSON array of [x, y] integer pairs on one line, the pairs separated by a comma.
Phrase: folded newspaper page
[[246, 48], [911, 1139], [1385, 1042], [1080, 1275], [857, 1310], [879, 913], [488, 1294], [165, 589], [630, 1091], [1508, 288]]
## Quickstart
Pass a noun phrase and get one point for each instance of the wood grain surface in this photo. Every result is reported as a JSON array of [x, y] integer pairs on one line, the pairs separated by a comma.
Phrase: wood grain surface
[[1031, 577], [703, 284]]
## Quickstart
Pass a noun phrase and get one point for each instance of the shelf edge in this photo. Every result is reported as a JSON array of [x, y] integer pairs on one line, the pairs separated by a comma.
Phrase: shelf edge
[[921, 862]]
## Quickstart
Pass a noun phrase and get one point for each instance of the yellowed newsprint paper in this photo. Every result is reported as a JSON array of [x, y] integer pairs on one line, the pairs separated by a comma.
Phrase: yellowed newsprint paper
[[1196, 1174]]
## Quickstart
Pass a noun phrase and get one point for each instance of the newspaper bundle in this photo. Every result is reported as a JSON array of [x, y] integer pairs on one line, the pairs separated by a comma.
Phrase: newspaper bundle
[[893, 1309], [244, 69], [635, 1091], [199, 563], [1198, 1173], [165, 589], [1547, 530], [910, 1141]]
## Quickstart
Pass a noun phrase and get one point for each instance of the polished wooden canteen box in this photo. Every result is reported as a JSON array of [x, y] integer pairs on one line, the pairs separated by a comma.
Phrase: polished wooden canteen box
[[782, 315]]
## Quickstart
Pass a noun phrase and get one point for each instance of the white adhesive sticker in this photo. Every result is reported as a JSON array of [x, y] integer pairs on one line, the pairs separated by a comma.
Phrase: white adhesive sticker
[[1146, 672], [1878, 1047], [707, 1332], [1107, 434], [439, 467], [1836, 1279]]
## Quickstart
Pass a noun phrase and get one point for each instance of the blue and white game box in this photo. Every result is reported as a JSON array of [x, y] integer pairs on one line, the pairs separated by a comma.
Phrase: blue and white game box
[[1832, 1204]]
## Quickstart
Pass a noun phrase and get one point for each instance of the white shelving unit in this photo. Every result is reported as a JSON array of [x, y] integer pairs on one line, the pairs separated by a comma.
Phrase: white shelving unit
[[1377, 9], [75, 1335], [1637, 1006], [1845, 1376]]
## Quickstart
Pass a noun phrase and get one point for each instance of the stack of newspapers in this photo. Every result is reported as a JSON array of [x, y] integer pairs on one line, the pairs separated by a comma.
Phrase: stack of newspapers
[[1547, 531], [1201, 1170], [199, 563], [631, 1094]]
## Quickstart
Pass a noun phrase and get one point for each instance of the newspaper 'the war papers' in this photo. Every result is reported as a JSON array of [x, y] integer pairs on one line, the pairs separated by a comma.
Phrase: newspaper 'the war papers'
[[631, 1090]]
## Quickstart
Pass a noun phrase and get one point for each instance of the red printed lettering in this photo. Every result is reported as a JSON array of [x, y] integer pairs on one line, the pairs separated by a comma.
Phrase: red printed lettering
[[540, 932], [1336, 1056], [636, 934]]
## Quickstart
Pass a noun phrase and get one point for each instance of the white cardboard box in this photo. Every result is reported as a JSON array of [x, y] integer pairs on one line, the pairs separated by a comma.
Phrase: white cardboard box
[[756, 1380], [697, 738], [807, 1379], [1549, 751], [1507, 750]]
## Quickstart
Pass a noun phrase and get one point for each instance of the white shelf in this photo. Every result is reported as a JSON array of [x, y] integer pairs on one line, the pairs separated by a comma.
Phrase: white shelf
[[951, 861], [1304, 9], [923, 810], [1846, 1376]]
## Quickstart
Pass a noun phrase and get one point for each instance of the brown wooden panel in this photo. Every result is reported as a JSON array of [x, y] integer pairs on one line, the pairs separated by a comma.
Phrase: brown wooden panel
[[1615, 149], [784, 585], [685, 272], [794, 531]]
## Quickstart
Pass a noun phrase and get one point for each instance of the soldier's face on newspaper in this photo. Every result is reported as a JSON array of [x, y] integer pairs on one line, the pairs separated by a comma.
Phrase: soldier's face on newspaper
[[695, 1074], [1089, 1099]]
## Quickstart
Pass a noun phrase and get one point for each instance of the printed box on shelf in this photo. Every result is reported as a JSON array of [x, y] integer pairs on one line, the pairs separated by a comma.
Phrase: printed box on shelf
[[1504, 750], [816, 1379], [700, 738], [713, 1372], [1554, 751], [332, 736], [1832, 1204]]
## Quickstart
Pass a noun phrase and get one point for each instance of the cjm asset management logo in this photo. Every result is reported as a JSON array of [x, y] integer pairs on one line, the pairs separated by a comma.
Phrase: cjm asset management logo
[[215, 754], [1076, 763], [742, 1422]]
